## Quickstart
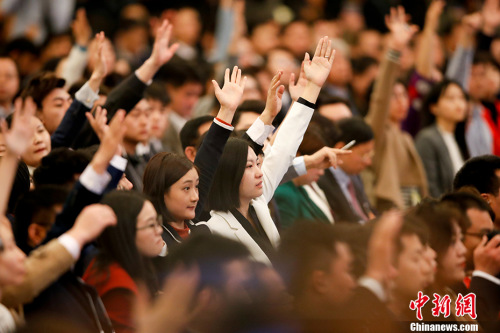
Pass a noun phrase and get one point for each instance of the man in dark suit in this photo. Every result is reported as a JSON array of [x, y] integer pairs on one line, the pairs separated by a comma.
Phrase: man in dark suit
[[343, 187]]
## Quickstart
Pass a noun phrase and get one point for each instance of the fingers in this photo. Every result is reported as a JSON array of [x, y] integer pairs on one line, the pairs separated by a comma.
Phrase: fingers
[[216, 87], [275, 81], [291, 81], [332, 57], [29, 107], [243, 82], [341, 151], [317, 53], [494, 242], [226, 76], [328, 48], [234, 74], [280, 91]]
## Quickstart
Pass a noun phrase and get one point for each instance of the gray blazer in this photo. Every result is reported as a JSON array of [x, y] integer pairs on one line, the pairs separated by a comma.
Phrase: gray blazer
[[436, 159]]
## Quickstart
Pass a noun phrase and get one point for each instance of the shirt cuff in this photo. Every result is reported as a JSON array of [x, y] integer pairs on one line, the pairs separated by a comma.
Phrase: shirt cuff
[[299, 165], [374, 286], [146, 83], [94, 182], [71, 245], [87, 96], [221, 124], [119, 163], [259, 132], [487, 276]]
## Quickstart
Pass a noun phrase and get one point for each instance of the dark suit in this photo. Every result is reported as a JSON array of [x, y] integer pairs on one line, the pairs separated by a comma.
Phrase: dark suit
[[436, 159], [71, 124], [342, 209], [124, 96]]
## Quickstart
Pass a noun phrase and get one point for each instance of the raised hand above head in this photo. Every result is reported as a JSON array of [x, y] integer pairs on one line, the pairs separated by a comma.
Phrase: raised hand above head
[[100, 68], [401, 31], [491, 16], [229, 96], [274, 99], [433, 14], [82, 31], [296, 89], [318, 69], [18, 138], [99, 121]]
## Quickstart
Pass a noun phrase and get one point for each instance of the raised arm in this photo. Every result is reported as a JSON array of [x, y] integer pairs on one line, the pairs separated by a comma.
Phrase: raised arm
[[292, 129], [84, 101], [425, 54], [208, 156], [17, 140], [400, 35]]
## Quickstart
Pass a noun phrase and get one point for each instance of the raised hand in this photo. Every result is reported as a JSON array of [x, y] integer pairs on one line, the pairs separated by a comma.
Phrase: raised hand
[[172, 310], [91, 222], [230, 95], [110, 143], [98, 122], [274, 99], [432, 16], [401, 32], [100, 69], [491, 16], [296, 89], [324, 158], [382, 248], [318, 69], [82, 31], [20, 135], [162, 52]]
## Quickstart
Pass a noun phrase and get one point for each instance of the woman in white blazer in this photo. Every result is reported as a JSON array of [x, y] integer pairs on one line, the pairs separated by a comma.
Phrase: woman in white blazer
[[241, 188]]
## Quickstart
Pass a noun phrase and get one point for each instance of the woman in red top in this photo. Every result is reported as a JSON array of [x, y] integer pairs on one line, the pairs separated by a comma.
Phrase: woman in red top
[[124, 258]]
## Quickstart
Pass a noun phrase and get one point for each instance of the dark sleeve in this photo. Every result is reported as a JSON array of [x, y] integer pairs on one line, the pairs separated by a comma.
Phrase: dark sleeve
[[207, 160], [125, 95], [483, 42], [116, 176], [77, 200], [71, 124], [487, 301]]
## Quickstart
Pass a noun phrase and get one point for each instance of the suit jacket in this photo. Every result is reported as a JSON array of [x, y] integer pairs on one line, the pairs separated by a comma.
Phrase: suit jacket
[[124, 96], [487, 303], [71, 124], [436, 158], [390, 142], [341, 207], [294, 204], [43, 266], [275, 165]]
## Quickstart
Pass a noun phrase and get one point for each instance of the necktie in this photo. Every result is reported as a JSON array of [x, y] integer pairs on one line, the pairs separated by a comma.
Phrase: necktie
[[354, 202]]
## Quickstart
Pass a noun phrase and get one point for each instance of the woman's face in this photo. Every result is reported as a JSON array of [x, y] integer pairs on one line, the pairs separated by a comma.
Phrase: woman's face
[[12, 268], [40, 146], [399, 104], [148, 231], [451, 264], [182, 196], [251, 182], [452, 105]]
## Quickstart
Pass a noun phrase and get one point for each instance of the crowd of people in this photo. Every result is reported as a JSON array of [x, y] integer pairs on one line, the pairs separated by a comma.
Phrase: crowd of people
[[268, 166]]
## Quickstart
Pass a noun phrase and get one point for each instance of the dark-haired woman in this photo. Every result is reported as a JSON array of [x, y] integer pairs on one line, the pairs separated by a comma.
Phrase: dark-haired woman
[[178, 187], [241, 190], [125, 257], [441, 145]]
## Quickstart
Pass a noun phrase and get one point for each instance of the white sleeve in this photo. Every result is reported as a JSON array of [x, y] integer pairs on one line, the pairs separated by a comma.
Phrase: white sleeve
[[285, 146], [259, 131]]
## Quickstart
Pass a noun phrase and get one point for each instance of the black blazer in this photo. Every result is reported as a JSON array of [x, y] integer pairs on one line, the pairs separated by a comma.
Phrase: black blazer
[[72, 123], [124, 96], [342, 210]]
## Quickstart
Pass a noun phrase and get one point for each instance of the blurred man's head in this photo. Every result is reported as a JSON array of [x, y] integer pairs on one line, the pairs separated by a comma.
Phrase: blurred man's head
[[483, 174], [191, 133], [362, 152], [137, 125], [334, 108], [158, 99], [480, 216], [52, 100], [247, 113]]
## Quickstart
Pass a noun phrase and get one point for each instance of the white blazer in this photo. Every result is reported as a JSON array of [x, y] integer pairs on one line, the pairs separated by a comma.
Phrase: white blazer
[[275, 165]]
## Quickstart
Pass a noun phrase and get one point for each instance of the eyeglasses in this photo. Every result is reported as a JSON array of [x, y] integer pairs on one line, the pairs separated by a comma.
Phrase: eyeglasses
[[158, 222]]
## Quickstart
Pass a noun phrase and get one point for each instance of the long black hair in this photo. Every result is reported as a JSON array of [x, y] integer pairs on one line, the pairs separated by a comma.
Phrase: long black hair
[[117, 243], [225, 194]]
